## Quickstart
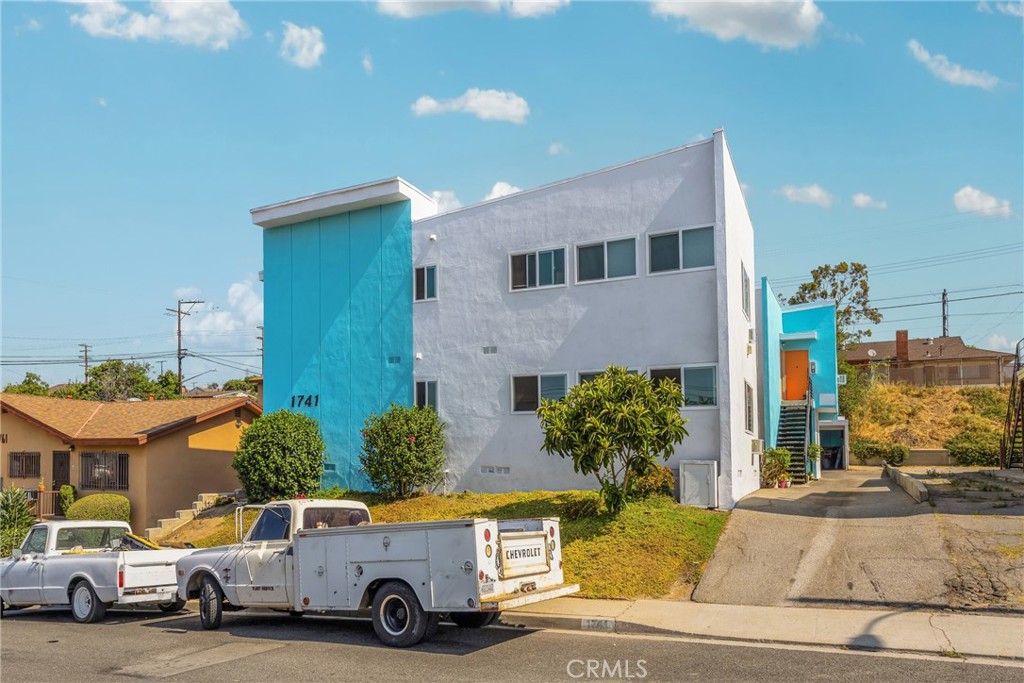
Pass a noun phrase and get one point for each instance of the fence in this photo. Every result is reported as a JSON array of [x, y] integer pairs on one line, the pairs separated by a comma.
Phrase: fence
[[988, 373], [44, 503]]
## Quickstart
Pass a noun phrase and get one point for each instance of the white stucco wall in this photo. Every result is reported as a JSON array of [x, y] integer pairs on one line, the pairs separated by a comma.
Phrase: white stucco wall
[[640, 322]]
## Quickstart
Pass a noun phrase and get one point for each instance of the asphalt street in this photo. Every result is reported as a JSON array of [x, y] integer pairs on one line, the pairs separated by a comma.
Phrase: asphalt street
[[46, 645]]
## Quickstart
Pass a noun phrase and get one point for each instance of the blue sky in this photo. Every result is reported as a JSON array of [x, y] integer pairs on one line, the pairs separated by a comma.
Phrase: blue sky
[[136, 137]]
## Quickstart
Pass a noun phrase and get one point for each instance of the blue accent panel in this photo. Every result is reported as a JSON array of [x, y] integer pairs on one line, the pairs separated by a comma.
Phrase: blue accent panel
[[277, 312], [771, 327], [822, 351], [338, 310]]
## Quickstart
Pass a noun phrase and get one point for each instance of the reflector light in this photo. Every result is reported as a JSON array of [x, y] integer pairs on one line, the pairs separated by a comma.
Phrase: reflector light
[[487, 534], [481, 574], [551, 532], [120, 578], [487, 550]]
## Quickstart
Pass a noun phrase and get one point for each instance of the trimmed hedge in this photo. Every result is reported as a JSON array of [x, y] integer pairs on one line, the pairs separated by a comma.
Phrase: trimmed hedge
[[975, 447], [101, 506], [892, 453]]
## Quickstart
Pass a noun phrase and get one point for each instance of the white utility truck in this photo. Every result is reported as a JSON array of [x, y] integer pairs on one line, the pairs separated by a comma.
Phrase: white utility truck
[[90, 565], [320, 556]]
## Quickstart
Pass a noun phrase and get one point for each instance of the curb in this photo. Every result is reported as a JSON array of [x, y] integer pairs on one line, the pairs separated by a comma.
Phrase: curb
[[914, 488]]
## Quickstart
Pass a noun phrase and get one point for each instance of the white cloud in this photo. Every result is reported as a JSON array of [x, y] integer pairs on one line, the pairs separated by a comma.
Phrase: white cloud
[[269, 37], [302, 47], [517, 9], [214, 325], [1013, 9], [367, 63], [808, 194], [556, 148], [446, 200], [972, 200], [999, 342], [30, 26], [782, 25], [102, 101], [213, 25], [945, 70], [488, 105], [866, 201], [501, 189], [186, 293]]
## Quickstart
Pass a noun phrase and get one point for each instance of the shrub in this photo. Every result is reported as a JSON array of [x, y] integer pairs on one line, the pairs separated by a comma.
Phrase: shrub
[[865, 450], [280, 455], [814, 452], [580, 505], [614, 427], [989, 402], [657, 481], [774, 464], [103, 506], [333, 493], [975, 447], [67, 495], [16, 516], [403, 450]]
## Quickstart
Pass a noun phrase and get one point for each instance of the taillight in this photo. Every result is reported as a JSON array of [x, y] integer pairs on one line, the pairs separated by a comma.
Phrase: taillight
[[551, 532], [487, 534], [120, 578], [481, 574]]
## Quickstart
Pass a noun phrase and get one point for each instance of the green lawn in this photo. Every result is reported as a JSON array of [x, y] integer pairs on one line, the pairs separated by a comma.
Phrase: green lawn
[[648, 548]]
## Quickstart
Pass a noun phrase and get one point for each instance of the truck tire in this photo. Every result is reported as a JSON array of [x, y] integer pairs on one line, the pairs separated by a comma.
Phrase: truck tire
[[211, 603], [86, 608], [175, 605], [473, 619], [398, 618]]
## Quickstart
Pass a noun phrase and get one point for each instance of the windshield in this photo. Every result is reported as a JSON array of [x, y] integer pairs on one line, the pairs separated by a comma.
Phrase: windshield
[[273, 524], [328, 518], [89, 538], [35, 542]]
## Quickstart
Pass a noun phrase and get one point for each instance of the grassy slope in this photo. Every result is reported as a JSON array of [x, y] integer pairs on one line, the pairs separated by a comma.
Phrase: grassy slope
[[644, 552], [925, 417]]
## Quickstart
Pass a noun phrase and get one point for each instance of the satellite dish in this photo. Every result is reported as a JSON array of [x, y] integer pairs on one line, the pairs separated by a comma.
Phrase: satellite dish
[[872, 353]]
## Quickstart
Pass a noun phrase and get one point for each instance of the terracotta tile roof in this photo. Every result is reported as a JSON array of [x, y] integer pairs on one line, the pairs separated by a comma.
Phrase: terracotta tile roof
[[129, 422], [940, 348]]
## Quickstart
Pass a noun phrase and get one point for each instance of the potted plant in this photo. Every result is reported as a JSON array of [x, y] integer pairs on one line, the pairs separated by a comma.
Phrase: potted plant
[[784, 479], [42, 485]]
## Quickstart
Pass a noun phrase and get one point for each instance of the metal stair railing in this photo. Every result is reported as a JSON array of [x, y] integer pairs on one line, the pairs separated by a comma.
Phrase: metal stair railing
[[1011, 446]]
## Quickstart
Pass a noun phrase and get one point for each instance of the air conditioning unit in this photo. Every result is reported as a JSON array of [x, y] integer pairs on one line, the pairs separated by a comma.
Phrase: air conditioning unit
[[841, 380], [750, 335], [757, 446]]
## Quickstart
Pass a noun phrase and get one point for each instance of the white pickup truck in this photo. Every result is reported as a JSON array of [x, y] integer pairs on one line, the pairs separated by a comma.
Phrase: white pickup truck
[[320, 556], [90, 565]]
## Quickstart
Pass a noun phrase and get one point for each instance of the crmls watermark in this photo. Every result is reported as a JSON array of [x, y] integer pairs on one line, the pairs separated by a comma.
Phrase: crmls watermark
[[618, 669]]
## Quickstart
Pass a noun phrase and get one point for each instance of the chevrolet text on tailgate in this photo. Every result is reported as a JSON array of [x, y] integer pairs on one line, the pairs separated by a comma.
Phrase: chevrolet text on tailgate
[[317, 556]]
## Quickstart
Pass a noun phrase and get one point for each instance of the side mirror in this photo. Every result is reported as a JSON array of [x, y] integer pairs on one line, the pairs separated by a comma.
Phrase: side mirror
[[16, 553]]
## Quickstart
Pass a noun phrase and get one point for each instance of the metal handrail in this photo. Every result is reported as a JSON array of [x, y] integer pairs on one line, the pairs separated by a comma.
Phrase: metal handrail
[[807, 423], [1012, 426]]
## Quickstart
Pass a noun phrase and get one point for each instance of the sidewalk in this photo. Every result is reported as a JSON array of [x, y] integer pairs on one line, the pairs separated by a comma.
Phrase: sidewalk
[[924, 632]]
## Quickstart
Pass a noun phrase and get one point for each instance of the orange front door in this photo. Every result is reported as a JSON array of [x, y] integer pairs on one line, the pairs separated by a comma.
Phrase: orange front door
[[795, 388]]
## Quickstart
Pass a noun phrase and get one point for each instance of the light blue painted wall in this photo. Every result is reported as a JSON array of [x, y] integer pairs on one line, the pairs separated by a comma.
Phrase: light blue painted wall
[[822, 351], [338, 324], [771, 327]]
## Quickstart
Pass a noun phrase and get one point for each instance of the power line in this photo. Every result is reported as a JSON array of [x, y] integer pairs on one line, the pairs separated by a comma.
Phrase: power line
[[952, 291], [181, 353], [947, 300]]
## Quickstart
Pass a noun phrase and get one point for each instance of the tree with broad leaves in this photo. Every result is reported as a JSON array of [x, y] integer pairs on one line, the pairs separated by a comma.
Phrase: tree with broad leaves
[[847, 285], [33, 385]]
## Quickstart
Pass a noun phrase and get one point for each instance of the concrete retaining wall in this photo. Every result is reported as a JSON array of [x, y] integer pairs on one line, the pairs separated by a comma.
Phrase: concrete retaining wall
[[913, 487], [929, 456]]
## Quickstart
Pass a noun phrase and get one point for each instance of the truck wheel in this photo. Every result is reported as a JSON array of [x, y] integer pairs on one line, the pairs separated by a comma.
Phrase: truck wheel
[[398, 618], [175, 605], [86, 608], [472, 619], [211, 603]]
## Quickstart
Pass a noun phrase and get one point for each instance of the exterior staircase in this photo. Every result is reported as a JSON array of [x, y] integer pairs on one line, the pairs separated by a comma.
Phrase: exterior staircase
[[202, 502], [1011, 447], [793, 437]]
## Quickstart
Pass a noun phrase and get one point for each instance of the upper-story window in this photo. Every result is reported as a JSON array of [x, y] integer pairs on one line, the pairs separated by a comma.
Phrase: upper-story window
[[426, 283], [606, 260], [426, 394], [537, 269], [528, 390], [698, 383], [682, 250], [746, 291]]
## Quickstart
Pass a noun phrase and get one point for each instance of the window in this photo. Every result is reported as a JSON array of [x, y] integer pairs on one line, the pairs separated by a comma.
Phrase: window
[[426, 394], [272, 525], [426, 283], [330, 518], [748, 407], [89, 538], [35, 542], [528, 390], [537, 269], [698, 383], [606, 261], [746, 291], [23, 465], [682, 250], [104, 471]]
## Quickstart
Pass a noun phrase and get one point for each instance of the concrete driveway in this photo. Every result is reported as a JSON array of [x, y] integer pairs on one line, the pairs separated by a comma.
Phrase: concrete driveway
[[852, 539]]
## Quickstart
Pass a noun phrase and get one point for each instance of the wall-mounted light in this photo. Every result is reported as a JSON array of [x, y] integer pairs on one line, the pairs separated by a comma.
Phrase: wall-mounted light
[[419, 356], [433, 238]]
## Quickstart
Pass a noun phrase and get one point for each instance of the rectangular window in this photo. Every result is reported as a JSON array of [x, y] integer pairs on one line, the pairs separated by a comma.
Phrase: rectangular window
[[748, 407], [682, 250], [104, 471], [537, 269], [746, 291], [528, 390], [23, 465], [699, 386], [426, 283], [605, 261], [426, 394], [674, 374]]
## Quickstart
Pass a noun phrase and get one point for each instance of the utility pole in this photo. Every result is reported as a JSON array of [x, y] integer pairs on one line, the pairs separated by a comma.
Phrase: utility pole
[[181, 352], [85, 355], [260, 339], [945, 314]]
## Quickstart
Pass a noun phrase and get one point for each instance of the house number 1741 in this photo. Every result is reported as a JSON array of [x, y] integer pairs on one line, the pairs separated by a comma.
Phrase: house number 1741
[[305, 400]]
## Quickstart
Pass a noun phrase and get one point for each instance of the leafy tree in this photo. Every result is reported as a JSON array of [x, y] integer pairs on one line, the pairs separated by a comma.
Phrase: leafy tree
[[615, 427], [166, 385], [847, 285], [16, 516], [117, 380], [403, 450], [33, 384], [240, 385], [280, 455], [854, 394]]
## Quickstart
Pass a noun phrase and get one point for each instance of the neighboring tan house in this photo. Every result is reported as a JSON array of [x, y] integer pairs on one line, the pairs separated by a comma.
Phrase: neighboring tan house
[[159, 454], [931, 361]]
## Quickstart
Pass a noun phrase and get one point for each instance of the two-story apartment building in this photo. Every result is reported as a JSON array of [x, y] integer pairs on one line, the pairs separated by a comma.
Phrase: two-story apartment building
[[371, 297]]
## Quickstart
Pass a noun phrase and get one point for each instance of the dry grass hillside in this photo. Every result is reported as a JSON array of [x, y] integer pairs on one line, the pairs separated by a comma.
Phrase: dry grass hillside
[[926, 417]]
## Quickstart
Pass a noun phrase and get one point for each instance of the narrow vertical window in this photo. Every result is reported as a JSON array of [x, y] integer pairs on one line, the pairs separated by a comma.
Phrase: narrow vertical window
[[748, 405], [426, 394], [426, 283], [746, 291]]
